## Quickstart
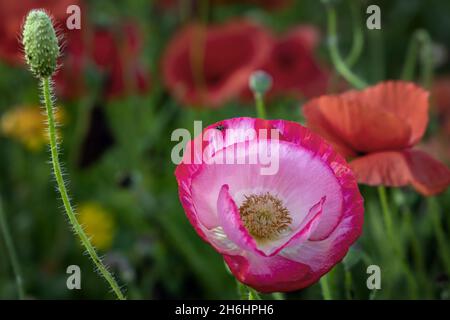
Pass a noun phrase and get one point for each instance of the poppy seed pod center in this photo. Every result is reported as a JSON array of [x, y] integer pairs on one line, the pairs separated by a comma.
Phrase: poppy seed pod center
[[264, 216]]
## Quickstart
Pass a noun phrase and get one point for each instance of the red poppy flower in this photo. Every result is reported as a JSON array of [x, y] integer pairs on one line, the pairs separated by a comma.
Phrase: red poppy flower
[[114, 52], [210, 65], [69, 80], [441, 100], [115, 55], [268, 4], [12, 15], [293, 66], [437, 145], [377, 128]]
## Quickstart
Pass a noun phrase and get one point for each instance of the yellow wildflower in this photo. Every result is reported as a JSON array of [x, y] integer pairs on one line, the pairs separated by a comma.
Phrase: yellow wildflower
[[98, 224], [26, 124]]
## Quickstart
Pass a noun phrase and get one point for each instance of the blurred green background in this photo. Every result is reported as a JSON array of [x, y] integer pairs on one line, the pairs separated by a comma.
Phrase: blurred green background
[[117, 155]]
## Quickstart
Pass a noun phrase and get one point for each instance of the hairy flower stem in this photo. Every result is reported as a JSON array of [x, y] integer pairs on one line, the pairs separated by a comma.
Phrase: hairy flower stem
[[46, 88], [11, 251], [338, 62]]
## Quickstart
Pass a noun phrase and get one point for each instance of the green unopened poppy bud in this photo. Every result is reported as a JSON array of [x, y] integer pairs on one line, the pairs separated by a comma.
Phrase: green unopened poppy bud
[[260, 82], [40, 43]]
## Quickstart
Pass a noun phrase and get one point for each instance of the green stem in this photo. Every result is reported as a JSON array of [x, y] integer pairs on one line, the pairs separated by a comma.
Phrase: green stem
[[426, 60], [11, 251], [358, 35], [64, 194], [387, 216], [253, 294], [278, 296], [338, 62], [325, 285], [348, 284], [444, 250], [416, 252], [247, 293], [242, 290], [419, 46], [260, 107], [409, 66]]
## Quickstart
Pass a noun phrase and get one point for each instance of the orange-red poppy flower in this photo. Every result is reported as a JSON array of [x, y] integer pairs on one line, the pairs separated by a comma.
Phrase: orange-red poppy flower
[[376, 129], [293, 66], [210, 65]]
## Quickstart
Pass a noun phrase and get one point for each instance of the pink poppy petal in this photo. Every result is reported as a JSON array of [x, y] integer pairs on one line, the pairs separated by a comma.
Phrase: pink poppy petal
[[270, 274], [230, 220], [303, 232]]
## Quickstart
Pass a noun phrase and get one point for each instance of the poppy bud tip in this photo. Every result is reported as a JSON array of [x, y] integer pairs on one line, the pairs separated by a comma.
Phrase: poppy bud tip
[[260, 82], [40, 43]]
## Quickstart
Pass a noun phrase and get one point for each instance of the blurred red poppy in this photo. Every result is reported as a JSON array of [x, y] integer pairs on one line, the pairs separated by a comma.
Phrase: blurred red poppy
[[268, 4], [114, 52], [376, 129], [210, 65], [441, 100], [12, 15], [293, 65], [438, 144]]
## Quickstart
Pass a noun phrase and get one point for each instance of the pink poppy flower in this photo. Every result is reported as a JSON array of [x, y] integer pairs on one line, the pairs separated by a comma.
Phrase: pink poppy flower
[[278, 232], [208, 66]]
